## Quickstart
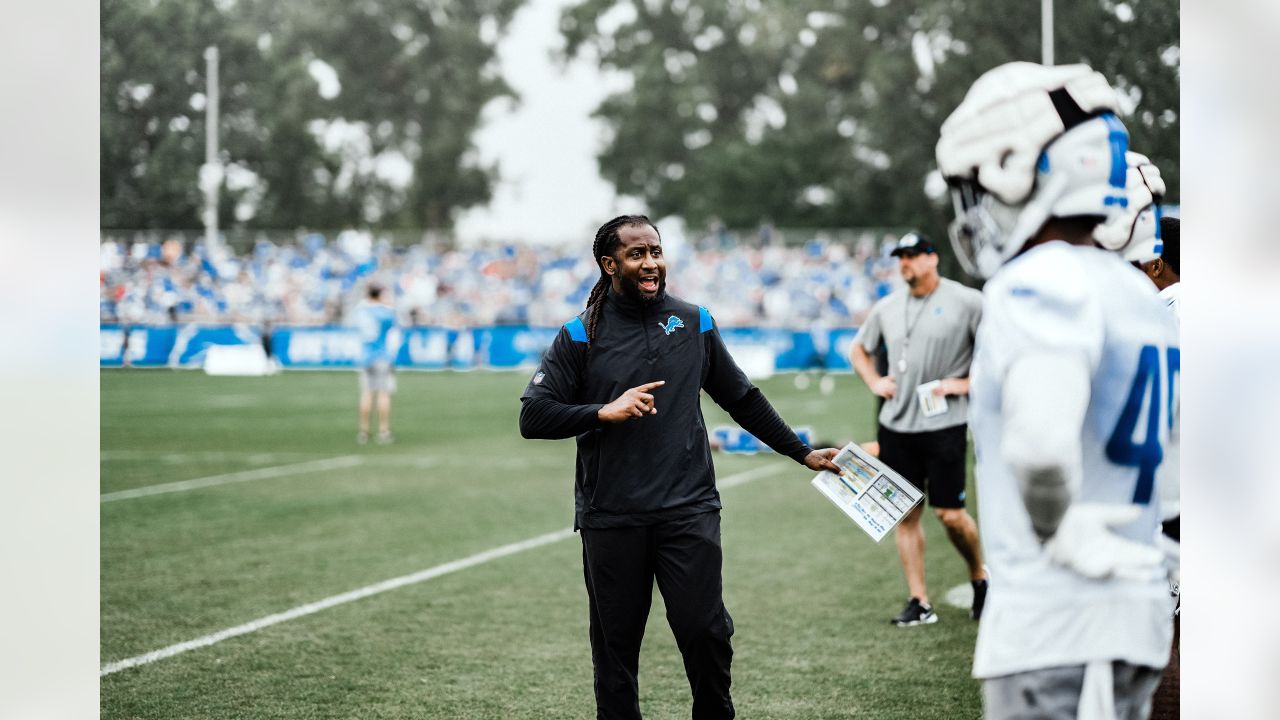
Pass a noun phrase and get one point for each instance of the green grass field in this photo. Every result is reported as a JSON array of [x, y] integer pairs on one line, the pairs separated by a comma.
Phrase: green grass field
[[810, 594]]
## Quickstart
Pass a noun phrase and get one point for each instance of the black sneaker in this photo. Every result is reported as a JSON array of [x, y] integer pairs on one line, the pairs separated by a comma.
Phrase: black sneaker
[[979, 598], [915, 613]]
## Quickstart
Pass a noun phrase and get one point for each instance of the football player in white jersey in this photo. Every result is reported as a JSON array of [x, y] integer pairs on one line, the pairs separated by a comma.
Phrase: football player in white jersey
[[1070, 399], [1150, 242]]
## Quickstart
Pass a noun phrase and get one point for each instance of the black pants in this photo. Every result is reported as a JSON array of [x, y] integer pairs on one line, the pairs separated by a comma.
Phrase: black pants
[[620, 565]]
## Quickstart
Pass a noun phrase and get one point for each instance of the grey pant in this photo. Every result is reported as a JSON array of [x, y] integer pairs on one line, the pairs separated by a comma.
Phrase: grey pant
[[1054, 693], [378, 377]]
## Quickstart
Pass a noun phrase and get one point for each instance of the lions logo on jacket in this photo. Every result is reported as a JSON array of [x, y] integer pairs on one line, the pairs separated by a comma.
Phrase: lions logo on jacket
[[671, 324]]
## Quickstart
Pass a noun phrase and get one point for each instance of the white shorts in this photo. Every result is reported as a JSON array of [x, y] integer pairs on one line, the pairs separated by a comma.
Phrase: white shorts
[[378, 377]]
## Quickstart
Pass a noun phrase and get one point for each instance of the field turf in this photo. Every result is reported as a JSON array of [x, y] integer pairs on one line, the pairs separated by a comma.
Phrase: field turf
[[810, 594]]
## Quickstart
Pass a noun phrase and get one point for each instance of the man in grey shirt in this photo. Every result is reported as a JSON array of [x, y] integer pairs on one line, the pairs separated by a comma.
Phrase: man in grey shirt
[[929, 329]]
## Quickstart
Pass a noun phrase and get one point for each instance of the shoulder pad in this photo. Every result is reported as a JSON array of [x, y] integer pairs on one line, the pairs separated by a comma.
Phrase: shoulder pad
[[577, 331], [1051, 276], [705, 321], [1044, 300]]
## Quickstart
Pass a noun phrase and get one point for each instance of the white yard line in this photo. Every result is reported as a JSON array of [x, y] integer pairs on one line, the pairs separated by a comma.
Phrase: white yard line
[[747, 476], [960, 596], [235, 477], [194, 455], [384, 586], [334, 600]]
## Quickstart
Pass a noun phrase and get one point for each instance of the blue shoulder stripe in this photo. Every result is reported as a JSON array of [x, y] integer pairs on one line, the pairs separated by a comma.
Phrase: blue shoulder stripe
[[577, 331], [705, 322]]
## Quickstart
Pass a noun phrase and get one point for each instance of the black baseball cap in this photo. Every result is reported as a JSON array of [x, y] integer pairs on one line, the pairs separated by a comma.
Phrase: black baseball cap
[[913, 243]]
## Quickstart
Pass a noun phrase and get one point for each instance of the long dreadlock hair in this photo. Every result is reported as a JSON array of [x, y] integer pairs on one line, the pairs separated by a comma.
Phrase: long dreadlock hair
[[606, 243]]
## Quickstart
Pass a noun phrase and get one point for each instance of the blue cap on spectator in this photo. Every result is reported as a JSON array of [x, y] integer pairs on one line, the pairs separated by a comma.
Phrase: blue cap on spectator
[[913, 243]]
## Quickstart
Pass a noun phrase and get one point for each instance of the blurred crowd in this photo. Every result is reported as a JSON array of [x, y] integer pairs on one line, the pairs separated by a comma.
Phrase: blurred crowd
[[313, 280]]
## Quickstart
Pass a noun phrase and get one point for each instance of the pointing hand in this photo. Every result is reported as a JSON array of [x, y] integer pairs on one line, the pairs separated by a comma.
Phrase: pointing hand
[[635, 402]]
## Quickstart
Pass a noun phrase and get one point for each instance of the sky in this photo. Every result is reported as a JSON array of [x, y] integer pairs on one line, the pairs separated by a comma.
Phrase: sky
[[550, 190]]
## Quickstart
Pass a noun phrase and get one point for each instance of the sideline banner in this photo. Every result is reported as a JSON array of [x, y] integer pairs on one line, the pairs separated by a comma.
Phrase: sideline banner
[[425, 348]]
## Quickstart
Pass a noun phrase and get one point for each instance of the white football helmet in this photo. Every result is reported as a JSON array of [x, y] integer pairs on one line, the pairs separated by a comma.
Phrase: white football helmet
[[1135, 232], [1027, 143]]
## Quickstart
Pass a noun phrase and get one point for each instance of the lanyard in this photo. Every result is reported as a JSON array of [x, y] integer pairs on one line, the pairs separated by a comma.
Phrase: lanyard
[[911, 326]]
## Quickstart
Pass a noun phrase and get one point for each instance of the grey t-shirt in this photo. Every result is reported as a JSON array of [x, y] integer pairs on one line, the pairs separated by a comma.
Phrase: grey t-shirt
[[933, 335]]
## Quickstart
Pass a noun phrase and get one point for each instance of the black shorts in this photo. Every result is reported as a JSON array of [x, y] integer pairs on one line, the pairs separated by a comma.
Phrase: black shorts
[[932, 461]]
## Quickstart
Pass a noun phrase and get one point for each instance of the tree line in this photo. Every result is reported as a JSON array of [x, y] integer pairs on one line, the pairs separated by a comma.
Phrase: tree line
[[801, 113]]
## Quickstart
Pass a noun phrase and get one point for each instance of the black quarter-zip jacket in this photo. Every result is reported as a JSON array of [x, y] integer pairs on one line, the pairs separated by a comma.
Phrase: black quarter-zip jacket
[[658, 467]]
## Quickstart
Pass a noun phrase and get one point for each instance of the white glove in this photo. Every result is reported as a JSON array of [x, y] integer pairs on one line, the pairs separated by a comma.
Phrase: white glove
[[1085, 543]]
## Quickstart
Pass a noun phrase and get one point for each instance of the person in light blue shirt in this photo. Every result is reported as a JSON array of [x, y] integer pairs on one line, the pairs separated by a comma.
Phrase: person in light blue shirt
[[380, 338]]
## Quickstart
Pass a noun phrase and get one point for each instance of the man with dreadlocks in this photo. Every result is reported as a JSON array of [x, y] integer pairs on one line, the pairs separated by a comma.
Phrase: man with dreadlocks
[[624, 378]]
